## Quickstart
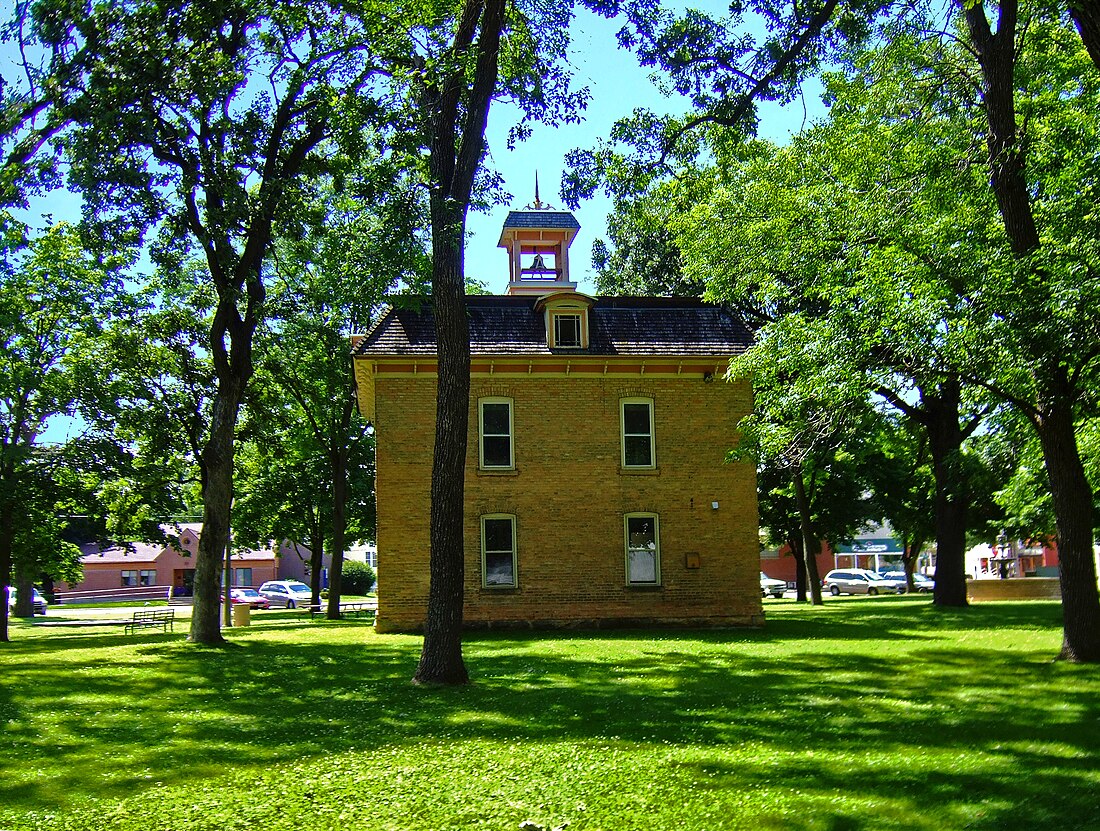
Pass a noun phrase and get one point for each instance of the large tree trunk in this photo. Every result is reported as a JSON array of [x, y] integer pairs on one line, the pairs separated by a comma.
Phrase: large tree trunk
[[1070, 493], [7, 541], [338, 462], [810, 543], [1086, 14], [910, 556], [24, 586], [316, 556], [457, 109], [217, 501], [941, 419], [997, 58], [1072, 498], [801, 579], [441, 658]]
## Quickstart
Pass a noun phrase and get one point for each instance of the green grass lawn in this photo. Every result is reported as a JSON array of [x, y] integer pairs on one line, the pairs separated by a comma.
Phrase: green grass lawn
[[865, 714]]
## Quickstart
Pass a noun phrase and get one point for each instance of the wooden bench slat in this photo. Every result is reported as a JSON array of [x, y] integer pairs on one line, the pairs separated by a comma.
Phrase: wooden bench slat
[[144, 618]]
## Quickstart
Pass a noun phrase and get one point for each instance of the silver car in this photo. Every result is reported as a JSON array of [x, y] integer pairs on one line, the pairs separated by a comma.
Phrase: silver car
[[920, 582], [856, 581], [289, 593]]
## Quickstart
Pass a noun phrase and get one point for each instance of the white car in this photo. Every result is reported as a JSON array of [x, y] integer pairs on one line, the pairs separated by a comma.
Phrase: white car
[[289, 593], [38, 601], [856, 581], [773, 587]]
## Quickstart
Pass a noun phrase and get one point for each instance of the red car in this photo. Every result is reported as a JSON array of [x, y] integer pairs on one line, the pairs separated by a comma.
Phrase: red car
[[249, 595]]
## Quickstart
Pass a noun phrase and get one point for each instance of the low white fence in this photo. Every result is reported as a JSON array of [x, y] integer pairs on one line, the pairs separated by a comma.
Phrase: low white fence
[[122, 594]]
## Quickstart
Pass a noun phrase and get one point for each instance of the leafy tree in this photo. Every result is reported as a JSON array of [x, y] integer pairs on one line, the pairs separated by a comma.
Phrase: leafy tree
[[54, 302], [904, 486], [1044, 291], [808, 426], [643, 257], [490, 50], [816, 238], [205, 121], [313, 457]]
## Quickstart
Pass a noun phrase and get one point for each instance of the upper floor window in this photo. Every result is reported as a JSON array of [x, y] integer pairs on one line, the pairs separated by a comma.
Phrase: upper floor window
[[495, 433], [643, 550], [637, 433], [568, 319], [498, 551], [567, 330]]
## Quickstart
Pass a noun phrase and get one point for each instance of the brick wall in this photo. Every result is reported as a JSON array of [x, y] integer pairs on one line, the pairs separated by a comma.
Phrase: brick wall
[[569, 494]]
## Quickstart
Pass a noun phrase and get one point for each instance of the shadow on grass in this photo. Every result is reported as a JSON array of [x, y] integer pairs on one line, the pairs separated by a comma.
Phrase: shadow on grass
[[879, 698]]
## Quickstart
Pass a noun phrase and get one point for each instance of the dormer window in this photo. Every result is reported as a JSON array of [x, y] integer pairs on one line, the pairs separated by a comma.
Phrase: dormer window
[[567, 330], [567, 319]]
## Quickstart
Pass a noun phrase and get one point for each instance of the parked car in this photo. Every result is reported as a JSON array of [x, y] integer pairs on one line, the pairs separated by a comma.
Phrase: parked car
[[38, 602], [289, 593], [920, 582], [856, 581], [249, 595], [773, 587]]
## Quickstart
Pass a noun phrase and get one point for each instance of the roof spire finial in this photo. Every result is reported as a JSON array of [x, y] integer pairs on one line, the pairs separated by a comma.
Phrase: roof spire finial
[[538, 204]]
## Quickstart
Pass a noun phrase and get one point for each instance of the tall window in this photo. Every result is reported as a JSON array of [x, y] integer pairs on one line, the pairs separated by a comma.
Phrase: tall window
[[567, 331], [148, 577], [643, 550], [242, 577], [498, 551], [495, 433], [637, 425], [129, 578]]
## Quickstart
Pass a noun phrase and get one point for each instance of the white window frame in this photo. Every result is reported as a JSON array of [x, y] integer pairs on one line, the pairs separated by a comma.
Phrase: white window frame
[[511, 518], [623, 435], [656, 581], [481, 402], [578, 315]]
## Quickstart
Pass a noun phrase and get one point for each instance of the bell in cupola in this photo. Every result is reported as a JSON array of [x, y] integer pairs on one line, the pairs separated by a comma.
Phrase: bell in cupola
[[537, 240]]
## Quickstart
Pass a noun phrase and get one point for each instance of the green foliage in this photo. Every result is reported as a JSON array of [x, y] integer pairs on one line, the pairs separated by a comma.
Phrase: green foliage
[[358, 578], [643, 257], [55, 301], [847, 716], [721, 67]]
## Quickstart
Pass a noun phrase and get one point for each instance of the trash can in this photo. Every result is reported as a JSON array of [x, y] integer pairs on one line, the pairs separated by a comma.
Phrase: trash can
[[241, 614]]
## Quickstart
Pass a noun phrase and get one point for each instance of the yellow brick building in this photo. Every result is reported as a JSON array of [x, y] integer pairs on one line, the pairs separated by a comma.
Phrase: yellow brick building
[[597, 487]]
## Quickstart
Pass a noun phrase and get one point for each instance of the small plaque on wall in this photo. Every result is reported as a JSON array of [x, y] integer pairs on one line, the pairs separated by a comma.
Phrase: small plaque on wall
[[691, 559]]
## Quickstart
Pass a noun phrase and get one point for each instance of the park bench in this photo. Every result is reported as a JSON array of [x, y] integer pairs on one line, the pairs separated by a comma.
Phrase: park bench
[[145, 618]]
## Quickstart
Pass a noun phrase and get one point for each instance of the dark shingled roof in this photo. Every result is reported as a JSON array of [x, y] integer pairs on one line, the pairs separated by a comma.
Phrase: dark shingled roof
[[511, 325], [541, 219]]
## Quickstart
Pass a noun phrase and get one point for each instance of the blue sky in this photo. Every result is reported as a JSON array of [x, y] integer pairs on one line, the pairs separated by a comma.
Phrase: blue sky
[[618, 86]]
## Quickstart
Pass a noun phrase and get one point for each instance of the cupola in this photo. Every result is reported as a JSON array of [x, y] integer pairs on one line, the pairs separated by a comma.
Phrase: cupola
[[537, 240]]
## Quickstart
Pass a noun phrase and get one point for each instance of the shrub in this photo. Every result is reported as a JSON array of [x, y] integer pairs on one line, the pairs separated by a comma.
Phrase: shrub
[[357, 578]]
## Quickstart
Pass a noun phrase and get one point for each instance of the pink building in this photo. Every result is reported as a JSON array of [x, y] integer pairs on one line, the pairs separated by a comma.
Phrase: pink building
[[143, 564]]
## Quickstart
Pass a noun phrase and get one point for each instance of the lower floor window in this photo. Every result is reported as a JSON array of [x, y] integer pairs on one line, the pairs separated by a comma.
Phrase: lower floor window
[[129, 578], [643, 550], [148, 577], [242, 577], [498, 551]]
